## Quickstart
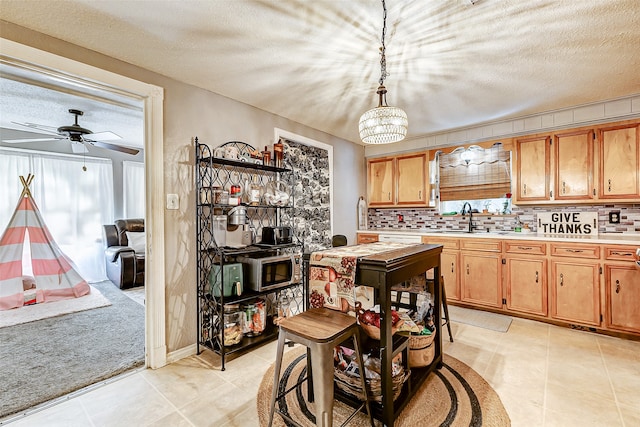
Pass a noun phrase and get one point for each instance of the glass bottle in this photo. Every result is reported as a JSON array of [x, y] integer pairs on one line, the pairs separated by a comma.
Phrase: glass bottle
[[278, 153]]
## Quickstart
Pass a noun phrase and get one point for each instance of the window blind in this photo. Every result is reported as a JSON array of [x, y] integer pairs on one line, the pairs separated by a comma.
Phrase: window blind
[[475, 173]]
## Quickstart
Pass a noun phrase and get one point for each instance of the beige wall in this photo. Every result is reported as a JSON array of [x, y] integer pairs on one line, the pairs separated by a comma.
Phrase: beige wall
[[214, 119]]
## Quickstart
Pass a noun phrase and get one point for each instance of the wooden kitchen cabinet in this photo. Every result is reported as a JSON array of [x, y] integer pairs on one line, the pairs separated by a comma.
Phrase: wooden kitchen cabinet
[[449, 264], [581, 165], [481, 276], [622, 292], [399, 181], [367, 238], [574, 165], [412, 172], [533, 169], [619, 152], [381, 182], [526, 277], [575, 286], [622, 289]]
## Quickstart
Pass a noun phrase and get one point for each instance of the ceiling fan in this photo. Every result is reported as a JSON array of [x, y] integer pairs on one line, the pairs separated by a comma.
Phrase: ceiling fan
[[76, 134]]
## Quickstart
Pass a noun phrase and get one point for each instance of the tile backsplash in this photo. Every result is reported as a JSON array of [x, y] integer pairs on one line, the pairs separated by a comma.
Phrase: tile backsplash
[[425, 219]]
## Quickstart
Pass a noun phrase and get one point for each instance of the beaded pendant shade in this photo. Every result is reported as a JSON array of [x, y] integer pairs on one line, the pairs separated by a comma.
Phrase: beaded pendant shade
[[383, 124]]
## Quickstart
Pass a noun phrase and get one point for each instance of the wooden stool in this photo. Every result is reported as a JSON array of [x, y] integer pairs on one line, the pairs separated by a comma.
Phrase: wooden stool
[[320, 330], [445, 308]]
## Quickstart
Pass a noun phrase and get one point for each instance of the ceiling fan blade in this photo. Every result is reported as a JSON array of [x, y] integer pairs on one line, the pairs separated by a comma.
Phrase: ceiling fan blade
[[19, 141], [47, 129], [78, 148], [105, 136], [113, 147]]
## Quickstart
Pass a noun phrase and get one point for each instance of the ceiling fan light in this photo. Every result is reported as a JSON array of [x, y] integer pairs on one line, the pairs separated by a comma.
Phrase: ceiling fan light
[[383, 125]]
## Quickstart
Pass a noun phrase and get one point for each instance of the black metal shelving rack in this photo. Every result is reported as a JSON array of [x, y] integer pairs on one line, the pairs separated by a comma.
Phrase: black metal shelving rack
[[213, 171]]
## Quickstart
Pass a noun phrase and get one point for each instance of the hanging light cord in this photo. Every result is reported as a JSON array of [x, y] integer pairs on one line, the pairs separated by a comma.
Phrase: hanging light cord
[[383, 58]]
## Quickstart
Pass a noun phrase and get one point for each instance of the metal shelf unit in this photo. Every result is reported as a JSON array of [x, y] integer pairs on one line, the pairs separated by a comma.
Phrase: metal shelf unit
[[212, 171]]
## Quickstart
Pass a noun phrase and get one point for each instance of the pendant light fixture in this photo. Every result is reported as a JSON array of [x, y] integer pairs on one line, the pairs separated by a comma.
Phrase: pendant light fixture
[[383, 124]]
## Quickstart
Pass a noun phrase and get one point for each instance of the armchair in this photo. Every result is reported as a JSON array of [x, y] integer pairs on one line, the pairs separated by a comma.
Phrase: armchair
[[125, 252]]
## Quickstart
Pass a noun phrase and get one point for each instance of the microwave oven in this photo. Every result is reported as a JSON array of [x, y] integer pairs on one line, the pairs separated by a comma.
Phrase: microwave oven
[[267, 272]]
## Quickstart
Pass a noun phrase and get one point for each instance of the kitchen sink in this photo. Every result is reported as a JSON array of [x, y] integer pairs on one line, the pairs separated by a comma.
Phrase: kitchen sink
[[466, 232]]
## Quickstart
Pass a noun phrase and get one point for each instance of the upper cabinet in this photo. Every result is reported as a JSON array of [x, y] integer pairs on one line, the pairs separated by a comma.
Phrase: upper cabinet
[[620, 162], [574, 165], [381, 181], [533, 163], [398, 181], [582, 165]]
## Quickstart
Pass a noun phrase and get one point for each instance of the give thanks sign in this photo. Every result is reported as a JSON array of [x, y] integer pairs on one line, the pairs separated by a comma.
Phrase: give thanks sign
[[574, 223]]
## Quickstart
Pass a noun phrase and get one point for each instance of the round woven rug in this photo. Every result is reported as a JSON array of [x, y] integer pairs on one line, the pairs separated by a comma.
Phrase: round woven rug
[[454, 396]]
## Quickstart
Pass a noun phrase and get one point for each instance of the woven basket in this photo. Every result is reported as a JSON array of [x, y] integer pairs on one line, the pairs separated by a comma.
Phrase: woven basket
[[352, 385], [374, 332], [422, 350]]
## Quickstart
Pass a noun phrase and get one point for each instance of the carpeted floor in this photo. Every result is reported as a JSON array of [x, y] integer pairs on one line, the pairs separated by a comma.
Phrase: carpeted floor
[[454, 396], [48, 358]]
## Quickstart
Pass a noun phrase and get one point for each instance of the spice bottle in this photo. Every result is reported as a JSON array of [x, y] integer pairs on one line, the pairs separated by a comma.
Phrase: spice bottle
[[266, 156]]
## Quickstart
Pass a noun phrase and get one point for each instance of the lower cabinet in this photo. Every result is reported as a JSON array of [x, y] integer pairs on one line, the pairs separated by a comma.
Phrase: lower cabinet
[[622, 284], [622, 289], [449, 264], [367, 238], [525, 274], [575, 292], [575, 283], [449, 267], [481, 276], [526, 284]]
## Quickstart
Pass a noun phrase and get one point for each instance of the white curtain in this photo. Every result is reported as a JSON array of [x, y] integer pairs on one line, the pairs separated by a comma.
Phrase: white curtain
[[133, 189], [74, 203]]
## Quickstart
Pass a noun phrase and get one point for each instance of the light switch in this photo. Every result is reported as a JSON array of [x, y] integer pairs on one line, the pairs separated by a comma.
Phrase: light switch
[[173, 202]]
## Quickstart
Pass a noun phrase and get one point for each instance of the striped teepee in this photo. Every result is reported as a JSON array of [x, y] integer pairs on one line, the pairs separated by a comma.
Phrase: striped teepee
[[54, 273]]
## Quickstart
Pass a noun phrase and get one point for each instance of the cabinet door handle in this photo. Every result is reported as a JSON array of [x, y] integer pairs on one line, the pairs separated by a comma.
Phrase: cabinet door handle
[[419, 194], [452, 267], [609, 186], [536, 277], [622, 253], [467, 268], [524, 189], [389, 196], [574, 251], [617, 286], [564, 189], [525, 248], [561, 279]]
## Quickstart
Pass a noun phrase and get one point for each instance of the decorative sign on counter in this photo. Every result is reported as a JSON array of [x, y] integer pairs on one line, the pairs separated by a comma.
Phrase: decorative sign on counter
[[573, 223]]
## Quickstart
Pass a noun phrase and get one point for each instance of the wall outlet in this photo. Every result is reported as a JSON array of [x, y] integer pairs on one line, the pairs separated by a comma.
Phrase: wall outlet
[[173, 202], [614, 217]]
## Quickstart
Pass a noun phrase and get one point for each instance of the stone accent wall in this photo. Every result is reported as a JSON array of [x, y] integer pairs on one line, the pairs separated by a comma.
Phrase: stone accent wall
[[430, 219]]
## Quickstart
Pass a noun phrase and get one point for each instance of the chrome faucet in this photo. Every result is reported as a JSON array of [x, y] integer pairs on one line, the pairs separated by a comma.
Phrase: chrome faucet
[[470, 212]]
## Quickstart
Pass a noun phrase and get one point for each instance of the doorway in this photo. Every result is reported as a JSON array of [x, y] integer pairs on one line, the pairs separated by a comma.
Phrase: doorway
[[150, 97]]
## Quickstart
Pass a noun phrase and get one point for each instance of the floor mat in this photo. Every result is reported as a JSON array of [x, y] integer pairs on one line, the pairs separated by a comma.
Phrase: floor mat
[[31, 313], [479, 318]]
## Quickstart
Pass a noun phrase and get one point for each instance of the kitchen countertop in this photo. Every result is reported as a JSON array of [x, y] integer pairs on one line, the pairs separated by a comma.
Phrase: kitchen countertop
[[606, 238]]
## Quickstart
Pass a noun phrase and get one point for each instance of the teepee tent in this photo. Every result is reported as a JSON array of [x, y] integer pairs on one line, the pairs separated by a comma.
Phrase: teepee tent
[[55, 276]]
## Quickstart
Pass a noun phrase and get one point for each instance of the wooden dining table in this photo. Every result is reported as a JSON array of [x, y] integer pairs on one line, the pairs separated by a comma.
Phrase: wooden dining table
[[382, 268]]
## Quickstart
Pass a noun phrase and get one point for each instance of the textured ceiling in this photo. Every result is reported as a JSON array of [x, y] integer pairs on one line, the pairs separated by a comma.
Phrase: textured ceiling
[[451, 63]]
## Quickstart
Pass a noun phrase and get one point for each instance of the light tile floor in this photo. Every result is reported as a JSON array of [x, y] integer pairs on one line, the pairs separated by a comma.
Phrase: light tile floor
[[545, 375]]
